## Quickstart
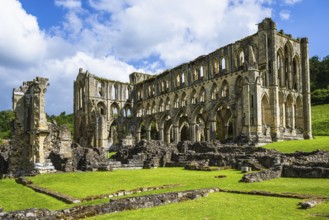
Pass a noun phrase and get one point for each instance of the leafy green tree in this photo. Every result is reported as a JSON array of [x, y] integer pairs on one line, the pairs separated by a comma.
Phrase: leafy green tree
[[6, 118], [319, 76]]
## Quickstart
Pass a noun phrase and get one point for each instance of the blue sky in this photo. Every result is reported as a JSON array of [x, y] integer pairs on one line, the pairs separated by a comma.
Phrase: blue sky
[[112, 38]]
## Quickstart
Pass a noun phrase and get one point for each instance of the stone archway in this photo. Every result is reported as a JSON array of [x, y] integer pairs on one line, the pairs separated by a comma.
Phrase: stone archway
[[222, 120], [185, 132], [113, 136]]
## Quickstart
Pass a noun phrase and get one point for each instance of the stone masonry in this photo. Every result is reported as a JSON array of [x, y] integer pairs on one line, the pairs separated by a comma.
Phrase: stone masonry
[[254, 90], [30, 127]]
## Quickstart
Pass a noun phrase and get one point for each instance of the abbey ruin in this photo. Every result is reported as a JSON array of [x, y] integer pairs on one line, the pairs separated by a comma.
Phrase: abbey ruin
[[254, 90], [251, 92]]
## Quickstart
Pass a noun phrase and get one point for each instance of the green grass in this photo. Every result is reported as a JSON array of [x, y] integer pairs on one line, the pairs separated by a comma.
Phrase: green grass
[[92, 183], [218, 205], [14, 196], [225, 206], [320, 119], [319, 142]]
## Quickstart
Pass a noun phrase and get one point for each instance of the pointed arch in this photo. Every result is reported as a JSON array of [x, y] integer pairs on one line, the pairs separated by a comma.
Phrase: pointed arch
[[140, 111], [296, 73], [287, 64], [266, 111], [153, 108], [194, 98], [282, 110], [202, 96], [299, 118], [176, 101], [183, 99], [280, 68], [290, 119], [215, 66], [161, 105], [214, 91], [115, 110], [238, 86], [102, 108], [167, 105], [222, 118], [148, 109], [225, 89], [223, 66]]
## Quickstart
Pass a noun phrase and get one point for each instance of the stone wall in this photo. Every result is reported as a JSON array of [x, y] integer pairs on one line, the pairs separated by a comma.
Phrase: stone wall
[[117, 205], [262, 175], [4, 157], [305, 171]]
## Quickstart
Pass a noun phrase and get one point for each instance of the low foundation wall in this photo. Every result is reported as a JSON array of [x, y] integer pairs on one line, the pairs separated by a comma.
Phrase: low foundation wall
[[305, 172], [262, 175], [117, 205]]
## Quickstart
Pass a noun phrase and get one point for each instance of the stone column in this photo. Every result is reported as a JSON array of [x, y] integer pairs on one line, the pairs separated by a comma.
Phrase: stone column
[[148, 134], [176, 134], [161, 134], [207, 133], [138, 136], [193, 132], [306, 89], [212, 130]]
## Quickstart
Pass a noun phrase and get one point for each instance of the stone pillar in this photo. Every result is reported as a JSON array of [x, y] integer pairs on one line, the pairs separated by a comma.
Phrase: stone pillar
[[259, 108], [207, 133], [138, 136], [167, 136], [306, 89], [246, 110], [148, 134], [176, 134], [39, 127], [284, 114], [193, 132], [161, 134], [212, 130]]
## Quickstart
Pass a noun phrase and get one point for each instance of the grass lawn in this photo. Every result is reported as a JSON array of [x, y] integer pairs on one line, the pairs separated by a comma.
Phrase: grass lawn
[[218, 205], [14, 196], [320, 119], [319, 142], [83, 184], [225, 206]]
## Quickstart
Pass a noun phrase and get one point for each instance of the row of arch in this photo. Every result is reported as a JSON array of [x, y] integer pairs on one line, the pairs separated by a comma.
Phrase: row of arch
[[201, 126], [217, 91], [114, 109], [204, 69], [288, 66], [290, 112]]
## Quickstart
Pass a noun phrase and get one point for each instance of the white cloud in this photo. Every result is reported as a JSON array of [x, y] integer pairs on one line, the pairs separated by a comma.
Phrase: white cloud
[[151, 34], [21, 41], [69, 4], [284, 15], [176, 31], [291, 2]]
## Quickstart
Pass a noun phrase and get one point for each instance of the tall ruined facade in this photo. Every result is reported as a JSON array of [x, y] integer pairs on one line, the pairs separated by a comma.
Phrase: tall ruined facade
[[30, 127], [256, 89]]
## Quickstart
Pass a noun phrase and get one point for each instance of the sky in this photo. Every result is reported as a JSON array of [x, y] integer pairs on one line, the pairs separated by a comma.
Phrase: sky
[[113, 38]]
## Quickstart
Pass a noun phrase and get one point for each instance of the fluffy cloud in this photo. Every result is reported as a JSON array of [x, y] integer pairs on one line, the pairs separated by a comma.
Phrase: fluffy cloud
[[291, 2], [112, 38], [21, 41], [284, 15]]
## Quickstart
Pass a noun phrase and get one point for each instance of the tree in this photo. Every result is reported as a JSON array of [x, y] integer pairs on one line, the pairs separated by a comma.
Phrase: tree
[[6, 119]]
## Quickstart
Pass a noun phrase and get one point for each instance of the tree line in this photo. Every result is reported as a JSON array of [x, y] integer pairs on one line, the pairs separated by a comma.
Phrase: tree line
[[319, 74]]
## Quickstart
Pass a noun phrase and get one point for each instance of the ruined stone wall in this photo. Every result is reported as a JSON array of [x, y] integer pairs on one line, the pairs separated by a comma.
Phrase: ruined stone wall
[[4, 157], [30, 126], [255, 89]]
